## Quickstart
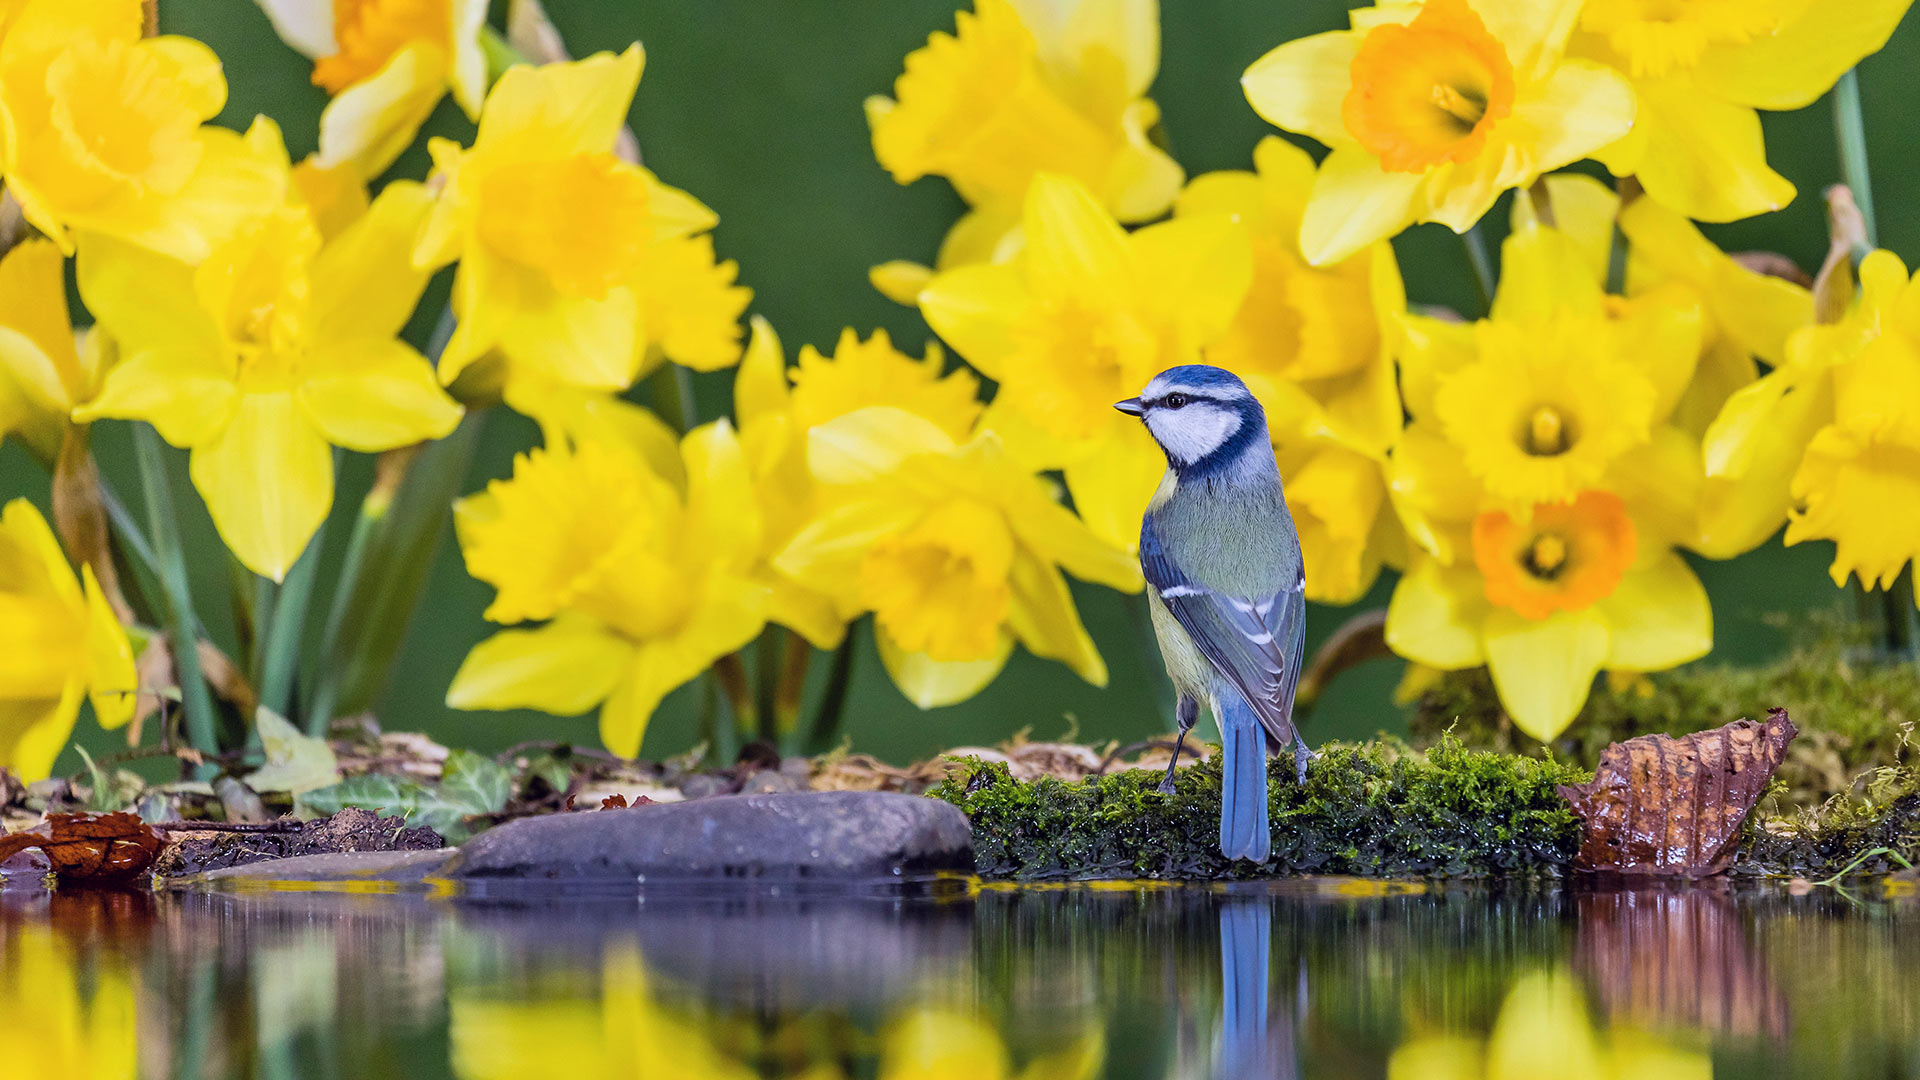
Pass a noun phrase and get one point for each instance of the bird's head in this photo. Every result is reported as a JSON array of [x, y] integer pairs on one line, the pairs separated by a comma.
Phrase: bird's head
[[1201, 416]]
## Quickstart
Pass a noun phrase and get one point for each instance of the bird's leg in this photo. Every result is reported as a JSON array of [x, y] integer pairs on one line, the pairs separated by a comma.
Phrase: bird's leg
[[1189, 712], [1301, 755]]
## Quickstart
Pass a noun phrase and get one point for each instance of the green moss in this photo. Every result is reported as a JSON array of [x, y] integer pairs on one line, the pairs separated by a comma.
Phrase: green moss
[[1850, 710], [1871, 830], [1377, 810]]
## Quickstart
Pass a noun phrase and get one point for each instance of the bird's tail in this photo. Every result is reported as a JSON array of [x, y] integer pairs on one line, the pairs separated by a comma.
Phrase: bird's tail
[[1244, 833]]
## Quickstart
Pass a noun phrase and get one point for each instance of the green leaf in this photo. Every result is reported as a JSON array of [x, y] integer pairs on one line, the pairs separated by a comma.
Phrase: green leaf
[[475, 782], [472, 785], [370, 791], [295, 762]]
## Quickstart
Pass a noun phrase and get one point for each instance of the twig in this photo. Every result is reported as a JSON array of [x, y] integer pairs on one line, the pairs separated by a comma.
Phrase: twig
[[281, 826], [1134, 748]]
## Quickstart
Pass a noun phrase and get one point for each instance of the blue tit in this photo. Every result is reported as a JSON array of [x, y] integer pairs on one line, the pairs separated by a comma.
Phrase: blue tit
[[1225, 584]]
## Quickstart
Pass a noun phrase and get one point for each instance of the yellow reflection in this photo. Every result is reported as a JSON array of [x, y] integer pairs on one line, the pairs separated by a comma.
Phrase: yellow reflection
[[629, 1031], [1543, 1030], [51, 1030]]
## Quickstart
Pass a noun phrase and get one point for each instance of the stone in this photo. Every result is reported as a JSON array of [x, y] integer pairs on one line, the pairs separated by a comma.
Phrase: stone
[[828, 836], [707, 785], [346, 868]]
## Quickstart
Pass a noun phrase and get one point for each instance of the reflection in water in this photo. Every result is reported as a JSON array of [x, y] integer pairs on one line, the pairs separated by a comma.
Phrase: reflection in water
[[1300, 979]]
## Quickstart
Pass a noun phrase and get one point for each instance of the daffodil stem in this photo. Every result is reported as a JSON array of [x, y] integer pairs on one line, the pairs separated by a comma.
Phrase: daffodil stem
[[766, 659], [499, 52], [280, 647], [730, 672], [833, 703], [1850, 128], [795, 661], [320, 708], [1482, 263], [195, 698]]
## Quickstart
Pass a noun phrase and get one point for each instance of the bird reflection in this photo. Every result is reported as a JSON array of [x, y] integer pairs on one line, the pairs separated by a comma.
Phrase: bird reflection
[[1254, 1042]]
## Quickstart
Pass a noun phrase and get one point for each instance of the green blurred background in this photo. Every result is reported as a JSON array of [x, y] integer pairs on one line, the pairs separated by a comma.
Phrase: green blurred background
[[755, 107]]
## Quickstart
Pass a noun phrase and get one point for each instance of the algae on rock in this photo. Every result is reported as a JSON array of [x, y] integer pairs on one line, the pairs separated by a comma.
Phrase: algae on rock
[[1378, 809]]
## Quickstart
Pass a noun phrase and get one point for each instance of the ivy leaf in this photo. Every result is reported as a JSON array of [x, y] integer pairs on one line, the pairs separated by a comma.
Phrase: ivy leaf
[[471, 786], [296, 762]]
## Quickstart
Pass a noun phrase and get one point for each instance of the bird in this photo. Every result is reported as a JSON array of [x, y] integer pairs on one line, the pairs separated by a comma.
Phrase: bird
[[1226, 585]]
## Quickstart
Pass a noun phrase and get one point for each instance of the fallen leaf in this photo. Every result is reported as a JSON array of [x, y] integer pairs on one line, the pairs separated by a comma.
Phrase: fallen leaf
[[296, 762], [90, 849], [1660, 805], [615, 801]]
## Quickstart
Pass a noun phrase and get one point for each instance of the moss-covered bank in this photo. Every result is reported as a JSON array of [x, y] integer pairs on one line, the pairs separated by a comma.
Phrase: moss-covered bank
[[1852, 710], [1383, 810], [1377, 809]]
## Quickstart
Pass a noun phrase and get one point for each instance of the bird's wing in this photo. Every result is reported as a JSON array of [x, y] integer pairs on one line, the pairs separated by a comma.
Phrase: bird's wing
[[1256, 642]]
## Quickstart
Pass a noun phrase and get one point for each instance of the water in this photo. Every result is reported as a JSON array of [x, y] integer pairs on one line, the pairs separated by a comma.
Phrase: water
[[1309, 979]]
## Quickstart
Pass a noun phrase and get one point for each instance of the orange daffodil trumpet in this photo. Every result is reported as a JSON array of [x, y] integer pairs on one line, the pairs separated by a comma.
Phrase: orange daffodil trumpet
[[956, 549], [1699, 70], [1546, 485], [387, 63], [574, 264], [274, 350], [1020, 88], [105, 130], [1432, 109], [1316, 346], [1839, 413], [642, 583], [59, 643], [1081, 317]]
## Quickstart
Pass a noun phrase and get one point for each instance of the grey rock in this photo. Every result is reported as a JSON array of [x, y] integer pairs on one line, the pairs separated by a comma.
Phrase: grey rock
[[825, 836], [769, 782], [397, 868]]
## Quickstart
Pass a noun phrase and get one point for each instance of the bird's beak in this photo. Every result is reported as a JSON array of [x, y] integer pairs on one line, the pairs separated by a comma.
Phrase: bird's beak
[[1131, 407]]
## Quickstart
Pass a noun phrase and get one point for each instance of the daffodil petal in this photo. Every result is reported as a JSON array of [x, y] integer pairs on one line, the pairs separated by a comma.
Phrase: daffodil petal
[[569, 108], [1705, 157], [143, 298], [267, 480], [111, 677], [1661, 480], [363, 283], [1584, 210], [1074, 247], [188, 396], [1435, 614], [36, 340], [33, 731], [813, 615], [1544, 669], [1045, 620], [825, 555], [1431, 349], [973, 309], [1198, 268], [1793, 66], [731, 612], [370, 123], [1111, 487], [1758, 310], [1658, 617], [1355, 202], [564, 668], [1300, 85], [869, 443], [931, 683], [1541, 274], [304, 25], [375, 394], [723, 519], [760, 384]]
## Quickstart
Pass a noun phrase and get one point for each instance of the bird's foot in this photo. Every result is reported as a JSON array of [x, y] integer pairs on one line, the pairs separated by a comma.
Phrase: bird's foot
[[1301, 755]]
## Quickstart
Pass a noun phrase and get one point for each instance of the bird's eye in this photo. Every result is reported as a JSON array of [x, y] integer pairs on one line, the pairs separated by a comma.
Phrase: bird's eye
[[1174, 401]]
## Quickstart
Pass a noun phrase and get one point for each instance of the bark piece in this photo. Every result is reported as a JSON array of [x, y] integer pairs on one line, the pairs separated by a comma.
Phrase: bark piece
[[1665, 806]]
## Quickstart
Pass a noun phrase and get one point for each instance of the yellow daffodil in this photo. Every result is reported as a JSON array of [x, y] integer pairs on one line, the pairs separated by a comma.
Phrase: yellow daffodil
[[572, 261], [1316, 345], [105, 130], [387, 63], [1561, 385], [73, 1023], [1020, 88], [59, 641], [1547, 521], [1432, 109], [644, 587], [43, 372], [1543, 1030], [777, 407], [1841, 410], [1082, 317], [1700, 69], [956, 549], [929, 1043], [268, 354]]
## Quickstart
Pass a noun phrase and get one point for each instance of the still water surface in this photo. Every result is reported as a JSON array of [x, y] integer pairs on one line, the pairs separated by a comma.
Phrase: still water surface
[[1305, 979]]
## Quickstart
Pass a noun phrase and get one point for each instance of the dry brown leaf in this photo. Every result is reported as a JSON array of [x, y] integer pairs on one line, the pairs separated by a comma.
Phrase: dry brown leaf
[[1660, 805], [90, 849]]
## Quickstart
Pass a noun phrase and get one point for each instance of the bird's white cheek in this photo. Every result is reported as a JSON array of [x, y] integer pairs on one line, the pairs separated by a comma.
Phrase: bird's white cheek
[[1194, 432]]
